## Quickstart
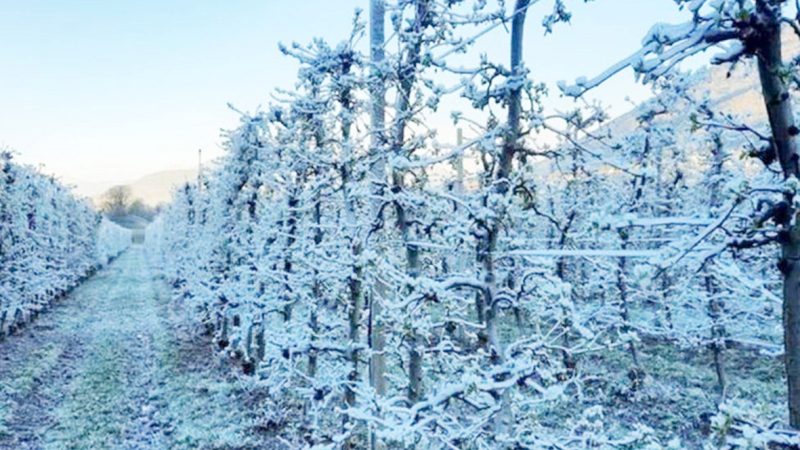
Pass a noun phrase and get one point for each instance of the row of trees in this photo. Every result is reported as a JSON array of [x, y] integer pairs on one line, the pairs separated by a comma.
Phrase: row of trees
[[546, 283], [49, 242]]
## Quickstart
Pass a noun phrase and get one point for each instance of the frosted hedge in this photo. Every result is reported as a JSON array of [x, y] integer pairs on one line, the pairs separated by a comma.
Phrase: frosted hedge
[[49, 242]]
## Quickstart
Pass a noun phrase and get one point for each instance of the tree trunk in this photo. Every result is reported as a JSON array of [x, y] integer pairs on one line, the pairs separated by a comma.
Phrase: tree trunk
[[488, 242], [291, 230], [458, 165], [316, 289], [515, 95], [781, 120], [716, 305], [791, 323], [407, 78], [624, 312], [316, 292], [352, 229], [487, 247], [377, 339]]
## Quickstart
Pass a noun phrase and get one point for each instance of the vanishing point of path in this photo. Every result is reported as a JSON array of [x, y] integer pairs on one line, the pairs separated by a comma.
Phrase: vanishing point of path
[[115, 366]]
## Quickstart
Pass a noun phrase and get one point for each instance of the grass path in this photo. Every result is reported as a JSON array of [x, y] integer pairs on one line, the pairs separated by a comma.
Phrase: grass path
[[115, 366]]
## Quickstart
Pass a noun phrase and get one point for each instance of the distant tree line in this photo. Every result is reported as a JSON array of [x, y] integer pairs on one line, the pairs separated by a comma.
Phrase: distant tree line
[[119, 205]]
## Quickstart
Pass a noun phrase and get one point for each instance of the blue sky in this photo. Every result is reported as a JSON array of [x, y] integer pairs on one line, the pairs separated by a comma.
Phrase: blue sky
[[109, 90]]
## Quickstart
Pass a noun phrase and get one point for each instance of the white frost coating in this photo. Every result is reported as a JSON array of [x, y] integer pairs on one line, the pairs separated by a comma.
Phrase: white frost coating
[[665, 45], [112, 240], [124, 375], [608, 253], [544, 307], [730, 53], [49, 242]]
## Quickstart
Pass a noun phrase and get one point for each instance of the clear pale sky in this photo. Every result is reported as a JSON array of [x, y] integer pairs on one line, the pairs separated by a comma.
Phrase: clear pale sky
[[110, 90]]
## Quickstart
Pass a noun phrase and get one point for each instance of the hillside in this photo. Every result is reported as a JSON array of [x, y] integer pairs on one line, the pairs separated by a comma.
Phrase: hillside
[[156, 188], [736, 92], [153, 189]]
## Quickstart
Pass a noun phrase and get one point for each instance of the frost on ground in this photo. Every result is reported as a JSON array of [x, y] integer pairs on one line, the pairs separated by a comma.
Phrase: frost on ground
[[113, 366]]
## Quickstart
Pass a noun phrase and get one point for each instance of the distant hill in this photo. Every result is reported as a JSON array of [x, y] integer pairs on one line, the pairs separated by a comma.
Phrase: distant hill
[[738, 94], [156, 188], [153, 189]]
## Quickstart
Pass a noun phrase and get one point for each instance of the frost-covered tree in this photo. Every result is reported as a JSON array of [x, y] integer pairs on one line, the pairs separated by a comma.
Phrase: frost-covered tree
[[553, 299], [49, 242], [751, 34]]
